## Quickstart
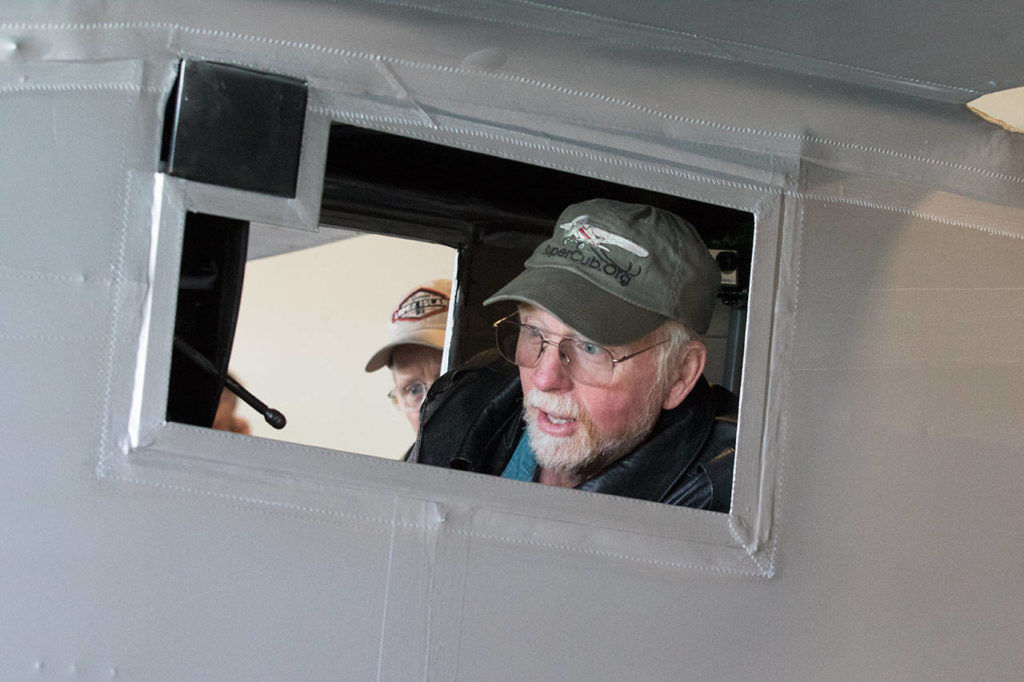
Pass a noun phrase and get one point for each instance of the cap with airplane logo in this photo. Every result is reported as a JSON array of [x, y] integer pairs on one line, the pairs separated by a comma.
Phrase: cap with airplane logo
[[615, 272]]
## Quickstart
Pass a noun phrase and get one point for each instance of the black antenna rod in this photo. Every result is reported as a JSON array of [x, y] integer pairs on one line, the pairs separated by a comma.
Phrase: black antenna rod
[[272, 416]]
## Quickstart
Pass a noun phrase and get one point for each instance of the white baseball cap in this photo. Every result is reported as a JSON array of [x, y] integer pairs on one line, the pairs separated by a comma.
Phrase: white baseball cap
[[418, 319]]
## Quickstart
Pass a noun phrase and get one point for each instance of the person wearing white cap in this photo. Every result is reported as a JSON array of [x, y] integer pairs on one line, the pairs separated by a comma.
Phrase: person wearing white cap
[[415, 346], [597, 383]]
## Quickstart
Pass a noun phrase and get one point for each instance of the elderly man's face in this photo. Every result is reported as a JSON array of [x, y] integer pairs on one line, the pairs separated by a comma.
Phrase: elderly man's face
[[580, 429], [414, 369]]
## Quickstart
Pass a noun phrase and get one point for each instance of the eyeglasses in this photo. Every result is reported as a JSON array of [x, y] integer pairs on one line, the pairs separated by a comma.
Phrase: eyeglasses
[[408, 397], [585, 361]]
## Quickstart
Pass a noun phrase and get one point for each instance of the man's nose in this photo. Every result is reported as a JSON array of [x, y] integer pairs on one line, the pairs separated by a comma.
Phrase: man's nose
[[551, 374]]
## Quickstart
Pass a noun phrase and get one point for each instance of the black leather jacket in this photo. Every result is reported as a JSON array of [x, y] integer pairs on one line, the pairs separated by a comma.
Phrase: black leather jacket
[[473, 419]]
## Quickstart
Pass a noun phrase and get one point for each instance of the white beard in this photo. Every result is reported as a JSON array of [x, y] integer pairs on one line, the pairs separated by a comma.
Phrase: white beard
[[584, 453]]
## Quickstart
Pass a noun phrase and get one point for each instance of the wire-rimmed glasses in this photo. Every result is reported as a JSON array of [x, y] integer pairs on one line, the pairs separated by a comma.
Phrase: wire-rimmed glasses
[[408, 397], [586, 362]]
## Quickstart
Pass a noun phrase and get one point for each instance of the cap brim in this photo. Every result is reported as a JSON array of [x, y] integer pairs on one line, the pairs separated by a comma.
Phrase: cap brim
[[432, 338], [591, 311]]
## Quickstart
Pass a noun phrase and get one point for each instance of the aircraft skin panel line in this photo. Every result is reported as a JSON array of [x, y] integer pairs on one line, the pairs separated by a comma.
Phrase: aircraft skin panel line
[[378, 59]]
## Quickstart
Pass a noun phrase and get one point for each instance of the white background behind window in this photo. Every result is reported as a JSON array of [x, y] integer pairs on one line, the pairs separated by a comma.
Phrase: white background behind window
[[309, 321]]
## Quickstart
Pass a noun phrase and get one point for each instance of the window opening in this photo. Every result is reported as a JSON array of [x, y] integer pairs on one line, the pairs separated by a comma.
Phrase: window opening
[[391, 205]]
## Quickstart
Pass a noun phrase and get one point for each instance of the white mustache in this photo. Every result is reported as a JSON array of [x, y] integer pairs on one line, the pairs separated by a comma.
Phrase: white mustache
[[560, 406]]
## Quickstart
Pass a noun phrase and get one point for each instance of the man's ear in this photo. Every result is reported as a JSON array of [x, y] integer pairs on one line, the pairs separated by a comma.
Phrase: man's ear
[[688, 369]]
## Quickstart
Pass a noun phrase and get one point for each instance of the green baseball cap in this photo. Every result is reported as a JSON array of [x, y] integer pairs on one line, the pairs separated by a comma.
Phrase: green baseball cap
[[615, 272]]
